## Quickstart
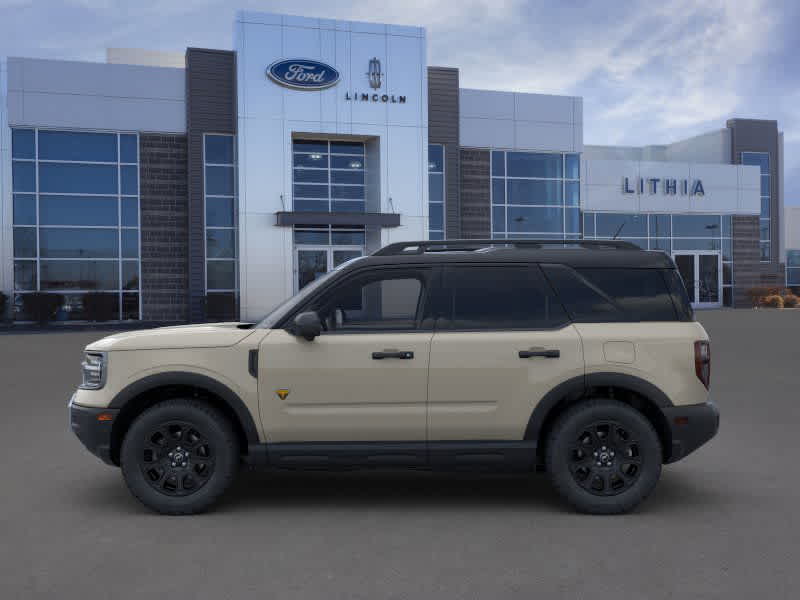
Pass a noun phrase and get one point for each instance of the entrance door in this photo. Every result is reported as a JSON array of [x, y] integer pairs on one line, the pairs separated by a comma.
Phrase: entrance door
[[702, 274], [312, 261]]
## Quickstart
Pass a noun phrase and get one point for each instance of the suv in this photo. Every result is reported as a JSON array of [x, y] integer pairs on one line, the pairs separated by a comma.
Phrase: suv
[[579, 358]]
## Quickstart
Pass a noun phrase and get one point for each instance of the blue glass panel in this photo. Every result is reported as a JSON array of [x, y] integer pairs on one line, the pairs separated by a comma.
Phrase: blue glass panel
[[435, 158], [219, 181], [765, 185], [727, 249], [219, 212], [572, 220], [348, 206], [347, 148], [436, 187], [793, 277], [766, 251], [573, 166], [641, 242], [348, 238], [531, 164], [528, 191], [24, 209], [130, 243], [660, 226], [534, 219], [219, 149], [23, 143], [130, 212], [696, 225], [310, 146], [129, 176], [436, 216], [352, 177], [765, 207], [498, 191], [77, 179], [310, 191], [25, 242], [221, 274], [621, 225], [311, 175], [312, 237], [663, 244], [220, 243], [311, 205], [727, 226], [695, 244], [75, 145], [793, 258], [318, 161], [77, 210], [346, 162], [78, 243], [759, 159], [130, 307], [347, 192], [439, 235], [498, 163], [25, 275], [763, 228], [572, 189], [80, 275], [130, 274], [588, 225], [23, 176], [128, 148], [498, 219]]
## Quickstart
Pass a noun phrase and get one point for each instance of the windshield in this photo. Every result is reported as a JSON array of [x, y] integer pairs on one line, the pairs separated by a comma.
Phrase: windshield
[[287, 305]]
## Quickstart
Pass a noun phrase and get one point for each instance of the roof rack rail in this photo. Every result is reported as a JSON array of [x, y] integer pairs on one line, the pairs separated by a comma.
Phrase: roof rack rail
[[423, 246]]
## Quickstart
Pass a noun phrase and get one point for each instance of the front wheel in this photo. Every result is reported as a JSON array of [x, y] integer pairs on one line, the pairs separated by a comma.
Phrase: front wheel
[[179, 456], [603, 457]]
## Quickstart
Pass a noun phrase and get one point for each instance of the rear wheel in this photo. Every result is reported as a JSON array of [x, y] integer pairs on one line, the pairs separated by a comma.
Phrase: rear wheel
[[603, 457], [179, 456]]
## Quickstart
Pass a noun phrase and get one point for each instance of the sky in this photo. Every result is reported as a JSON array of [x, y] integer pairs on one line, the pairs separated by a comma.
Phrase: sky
[[649, 72]]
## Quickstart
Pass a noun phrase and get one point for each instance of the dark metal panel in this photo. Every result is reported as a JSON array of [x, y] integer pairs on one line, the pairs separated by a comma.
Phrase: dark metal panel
[[287, 219], [443, 128]]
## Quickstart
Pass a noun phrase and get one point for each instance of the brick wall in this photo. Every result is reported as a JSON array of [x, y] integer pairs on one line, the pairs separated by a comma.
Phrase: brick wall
[[748, 270], [164, 215], [476, 219]]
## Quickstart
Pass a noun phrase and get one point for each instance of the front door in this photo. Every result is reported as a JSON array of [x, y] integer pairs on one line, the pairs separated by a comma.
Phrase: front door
[[365, 378], [702, 274]]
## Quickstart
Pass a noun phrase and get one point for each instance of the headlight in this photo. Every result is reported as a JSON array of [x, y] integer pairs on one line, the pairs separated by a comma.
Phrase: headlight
[[93, 369]]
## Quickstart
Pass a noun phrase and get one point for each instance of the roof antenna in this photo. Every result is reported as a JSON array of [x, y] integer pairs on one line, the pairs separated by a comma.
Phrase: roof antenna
[[618, 230]]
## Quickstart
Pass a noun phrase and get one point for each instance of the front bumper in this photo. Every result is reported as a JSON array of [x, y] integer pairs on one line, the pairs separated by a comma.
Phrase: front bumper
[[95, 434], [691, 426]]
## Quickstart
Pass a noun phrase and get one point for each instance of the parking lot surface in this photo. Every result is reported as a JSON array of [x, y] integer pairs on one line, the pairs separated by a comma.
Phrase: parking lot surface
[[723, 523]]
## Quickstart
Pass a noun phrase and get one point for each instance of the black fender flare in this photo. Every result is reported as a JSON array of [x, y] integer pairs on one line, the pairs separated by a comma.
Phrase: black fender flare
[[228, 396]]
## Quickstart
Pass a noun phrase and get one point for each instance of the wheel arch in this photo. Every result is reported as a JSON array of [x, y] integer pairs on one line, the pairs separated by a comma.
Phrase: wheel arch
[[137, 397]]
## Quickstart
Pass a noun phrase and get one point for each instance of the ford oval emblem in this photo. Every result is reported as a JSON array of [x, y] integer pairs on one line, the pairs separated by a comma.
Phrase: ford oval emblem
[[303, 74]]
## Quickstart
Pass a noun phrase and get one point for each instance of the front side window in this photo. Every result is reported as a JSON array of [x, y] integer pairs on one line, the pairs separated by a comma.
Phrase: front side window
[[498, 298]]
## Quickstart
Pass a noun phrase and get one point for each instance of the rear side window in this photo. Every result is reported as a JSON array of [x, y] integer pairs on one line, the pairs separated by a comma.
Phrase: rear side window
[[499, 297]]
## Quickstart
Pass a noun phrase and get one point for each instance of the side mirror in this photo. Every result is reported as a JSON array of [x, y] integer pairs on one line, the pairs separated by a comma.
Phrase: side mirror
[[307, 325]]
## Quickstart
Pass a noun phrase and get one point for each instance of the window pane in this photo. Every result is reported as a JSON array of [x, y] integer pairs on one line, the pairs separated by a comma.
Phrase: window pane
[[436, 187], [310, 191], [588, 225], [498, 191], [367, 304], [77, 210], [583, 303], [727, 296], [660, 226], [311, 175], [345, 162], [727, 225], [695, 244], [498, 163], [24, 209], [25, 275], [793, 258], [130, 274], [219, 149], [696, 225], [765, 185], [130, 212], [310, 146], [347, 148], [763, 229], [348, 238], [130, 307], [219, 212], [75, 145], [526, 219], [129, 180], [529, 164], [436, 235], [221, 274], [77, 179], [642, 293], [765, 208], [23, 144], [318, 161], [727, 273], [572, 220], [79, 275], [727, 249], [793, 277], [220, 243], [765, 251], [663, 244], [436, 216], [348, 192], [759, 159], [348, 206], [311, 237], [128, 149], [573, 166], [498, 219], [23, 176], [219, 181], [352, 176], [521, 191], [130, 243], [435, 158], [501, 298], [25, 242], [621, 225], [78, 243], [311, 205], [572, 189]]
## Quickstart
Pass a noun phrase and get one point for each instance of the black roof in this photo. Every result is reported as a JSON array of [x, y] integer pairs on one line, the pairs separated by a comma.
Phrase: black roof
[[575, 253]]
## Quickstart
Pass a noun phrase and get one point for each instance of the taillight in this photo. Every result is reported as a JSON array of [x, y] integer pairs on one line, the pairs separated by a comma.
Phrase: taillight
[[702, 361]]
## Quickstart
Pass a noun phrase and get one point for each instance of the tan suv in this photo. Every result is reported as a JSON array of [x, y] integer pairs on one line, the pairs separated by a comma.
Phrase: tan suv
[[580, 358]]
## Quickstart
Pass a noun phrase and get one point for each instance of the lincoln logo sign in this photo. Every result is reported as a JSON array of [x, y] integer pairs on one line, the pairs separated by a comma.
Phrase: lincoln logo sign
[[302, 74], [667, 186]]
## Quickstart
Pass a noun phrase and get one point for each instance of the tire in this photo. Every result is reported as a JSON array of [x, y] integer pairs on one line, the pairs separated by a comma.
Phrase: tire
[[616, 436], [185, 481]]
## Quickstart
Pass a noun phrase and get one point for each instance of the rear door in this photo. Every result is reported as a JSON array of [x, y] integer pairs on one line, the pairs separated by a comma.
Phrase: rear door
[[502, 342]]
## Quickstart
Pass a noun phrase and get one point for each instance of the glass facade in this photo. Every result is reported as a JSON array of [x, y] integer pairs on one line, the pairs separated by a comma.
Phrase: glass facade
[[320, 248], [793, 268], [761, 160], [328, 176], [219, 158], [535, 195], [436, 192], [76, 221]]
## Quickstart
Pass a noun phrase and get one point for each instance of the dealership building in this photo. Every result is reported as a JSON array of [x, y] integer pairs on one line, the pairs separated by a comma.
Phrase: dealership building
[[213, 184]]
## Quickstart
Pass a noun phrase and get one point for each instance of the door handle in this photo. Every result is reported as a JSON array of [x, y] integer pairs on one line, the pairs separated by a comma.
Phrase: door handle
[[402, 354], [549, 353]]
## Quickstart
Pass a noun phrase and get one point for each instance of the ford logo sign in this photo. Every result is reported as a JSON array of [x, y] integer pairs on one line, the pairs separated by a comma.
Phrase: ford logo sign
[[303, 74]]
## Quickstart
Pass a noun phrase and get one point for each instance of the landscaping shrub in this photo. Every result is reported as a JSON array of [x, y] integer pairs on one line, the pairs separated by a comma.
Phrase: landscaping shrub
[[773, 301], [757, 295], [99, 306], [790, 301], [41, 306]]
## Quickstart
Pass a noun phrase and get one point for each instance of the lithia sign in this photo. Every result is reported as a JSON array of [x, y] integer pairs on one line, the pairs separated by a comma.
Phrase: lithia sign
[[306, 74], [667, 186]]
